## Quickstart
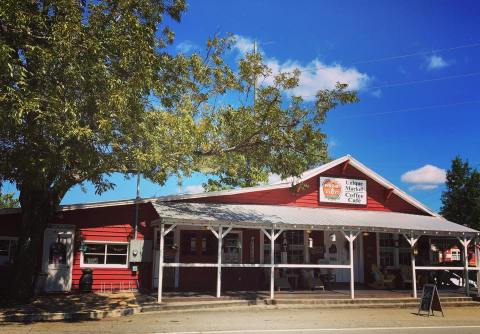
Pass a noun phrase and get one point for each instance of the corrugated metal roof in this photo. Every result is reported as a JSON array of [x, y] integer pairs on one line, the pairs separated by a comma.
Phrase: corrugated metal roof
[[292, 217]]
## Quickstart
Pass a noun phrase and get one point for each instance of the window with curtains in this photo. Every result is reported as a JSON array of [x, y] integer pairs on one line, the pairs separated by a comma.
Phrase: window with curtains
[[102, 254]]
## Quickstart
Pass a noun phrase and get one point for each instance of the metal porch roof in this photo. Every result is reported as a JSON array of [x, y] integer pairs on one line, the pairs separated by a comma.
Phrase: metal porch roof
[[292, 217]]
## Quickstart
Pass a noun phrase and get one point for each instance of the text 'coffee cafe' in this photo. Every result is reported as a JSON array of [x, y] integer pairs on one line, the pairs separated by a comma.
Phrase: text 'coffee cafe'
[[339, 224]]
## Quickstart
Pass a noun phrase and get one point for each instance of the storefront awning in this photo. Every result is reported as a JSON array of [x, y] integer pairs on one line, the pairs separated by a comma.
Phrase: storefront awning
[[291, 217]]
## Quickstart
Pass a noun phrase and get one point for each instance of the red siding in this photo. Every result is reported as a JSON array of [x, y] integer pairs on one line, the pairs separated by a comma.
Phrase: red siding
[[309, 197], [113, 223]]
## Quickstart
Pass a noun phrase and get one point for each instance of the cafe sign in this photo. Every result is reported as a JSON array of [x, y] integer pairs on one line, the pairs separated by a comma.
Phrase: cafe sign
[[346, 191]]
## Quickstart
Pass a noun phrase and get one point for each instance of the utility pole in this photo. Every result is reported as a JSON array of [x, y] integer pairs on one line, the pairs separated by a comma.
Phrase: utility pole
[[248, 180], [254, 77], [137, 200]]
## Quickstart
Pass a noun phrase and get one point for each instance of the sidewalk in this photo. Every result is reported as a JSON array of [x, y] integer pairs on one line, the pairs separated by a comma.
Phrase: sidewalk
[[77, 306]]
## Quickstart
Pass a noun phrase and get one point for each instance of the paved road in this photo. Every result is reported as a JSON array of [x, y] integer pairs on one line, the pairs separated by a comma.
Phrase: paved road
[[260, 320]]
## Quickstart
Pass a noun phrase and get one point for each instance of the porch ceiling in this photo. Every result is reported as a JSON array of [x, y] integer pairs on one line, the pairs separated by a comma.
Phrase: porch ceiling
[[291, 217]]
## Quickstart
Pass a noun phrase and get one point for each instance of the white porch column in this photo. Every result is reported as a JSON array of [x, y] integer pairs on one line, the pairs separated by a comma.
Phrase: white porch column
[[160, 263], [351, 238], [412, 240], [465, 242], [272, 263], [272, 236], [163, 233], [219, 261], [477, 264], [220, 235]]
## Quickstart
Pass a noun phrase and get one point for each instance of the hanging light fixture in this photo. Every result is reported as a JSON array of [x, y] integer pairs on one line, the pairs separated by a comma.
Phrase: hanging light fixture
[[310, 242]]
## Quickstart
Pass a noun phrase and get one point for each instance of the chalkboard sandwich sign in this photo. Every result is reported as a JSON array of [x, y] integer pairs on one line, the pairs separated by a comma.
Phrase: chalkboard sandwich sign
[[430, 300]]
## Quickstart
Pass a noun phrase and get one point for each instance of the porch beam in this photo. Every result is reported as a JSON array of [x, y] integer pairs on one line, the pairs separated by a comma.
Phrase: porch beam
[[227, 231], [213, 231], [160, 263], [170, 229], [258, 265], [412, 240], [465, 242]]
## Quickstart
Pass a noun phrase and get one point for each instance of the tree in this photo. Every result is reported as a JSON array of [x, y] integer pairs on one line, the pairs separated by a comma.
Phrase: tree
[[7, 200], [461, 200], [89, 88]]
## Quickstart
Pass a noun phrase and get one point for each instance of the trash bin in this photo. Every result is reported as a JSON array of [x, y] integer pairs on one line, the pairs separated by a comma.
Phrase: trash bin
[[86, 280], [39, 285]]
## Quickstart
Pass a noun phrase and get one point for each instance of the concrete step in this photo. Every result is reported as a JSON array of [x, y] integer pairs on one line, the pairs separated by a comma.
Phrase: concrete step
[[361, 301], [305, 303]]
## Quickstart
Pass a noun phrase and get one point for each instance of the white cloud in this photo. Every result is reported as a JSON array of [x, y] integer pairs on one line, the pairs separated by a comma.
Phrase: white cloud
[[426, 174], [427, 177], [243, 44], [436, 62], [423, 187], [193, 189], [187, 46], [315, 75], [332, 143]]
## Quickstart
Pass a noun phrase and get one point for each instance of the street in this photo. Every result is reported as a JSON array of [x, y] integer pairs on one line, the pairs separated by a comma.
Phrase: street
[[261, 320]]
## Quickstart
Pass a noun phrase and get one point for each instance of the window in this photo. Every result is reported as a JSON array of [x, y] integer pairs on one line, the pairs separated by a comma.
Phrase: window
[[386, 240], [101, 254], [291, 243], [232, 248], [188, 243], [8, 246], [387, 258], [387, 250], [456, 255], [404, 257]]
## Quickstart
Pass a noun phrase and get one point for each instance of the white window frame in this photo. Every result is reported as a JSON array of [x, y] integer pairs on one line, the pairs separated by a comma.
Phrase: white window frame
[[457, 256], [100, 265], [9, 256]]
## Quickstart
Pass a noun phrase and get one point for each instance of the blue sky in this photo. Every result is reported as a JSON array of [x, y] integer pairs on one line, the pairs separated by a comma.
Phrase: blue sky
[[418, 106]]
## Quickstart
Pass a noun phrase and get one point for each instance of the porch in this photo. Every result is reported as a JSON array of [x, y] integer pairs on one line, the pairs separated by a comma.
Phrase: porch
[[271, 222], [338, 293]]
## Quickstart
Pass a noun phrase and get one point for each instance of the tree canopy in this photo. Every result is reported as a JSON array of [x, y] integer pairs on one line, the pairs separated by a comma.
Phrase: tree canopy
[[88, 88], [461, 200], [8, 200]]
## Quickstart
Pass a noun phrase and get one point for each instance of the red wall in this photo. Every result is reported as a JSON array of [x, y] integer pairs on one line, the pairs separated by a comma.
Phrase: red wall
[[310, 197], [113, 223]]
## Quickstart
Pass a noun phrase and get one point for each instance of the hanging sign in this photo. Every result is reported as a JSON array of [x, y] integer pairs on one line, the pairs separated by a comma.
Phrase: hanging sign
[[339, 190]]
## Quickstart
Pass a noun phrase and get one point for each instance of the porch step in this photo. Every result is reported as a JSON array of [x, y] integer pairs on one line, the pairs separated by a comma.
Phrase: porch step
[[400, 303], [335, 301]]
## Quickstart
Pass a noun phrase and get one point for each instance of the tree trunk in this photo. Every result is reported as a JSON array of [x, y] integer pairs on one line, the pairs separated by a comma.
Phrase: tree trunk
[[38, 208]]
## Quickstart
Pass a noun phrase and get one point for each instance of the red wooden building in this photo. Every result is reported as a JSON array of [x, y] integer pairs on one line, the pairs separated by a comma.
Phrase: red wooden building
[[340, 223]]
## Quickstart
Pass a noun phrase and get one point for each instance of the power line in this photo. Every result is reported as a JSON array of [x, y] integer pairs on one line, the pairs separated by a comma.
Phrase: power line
[[407, 83], [426, 80], [377, 60], [474, 45], [412, 109]]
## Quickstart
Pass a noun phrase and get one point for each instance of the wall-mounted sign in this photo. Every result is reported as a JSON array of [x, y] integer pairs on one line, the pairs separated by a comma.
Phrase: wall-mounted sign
[[339, 190]]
